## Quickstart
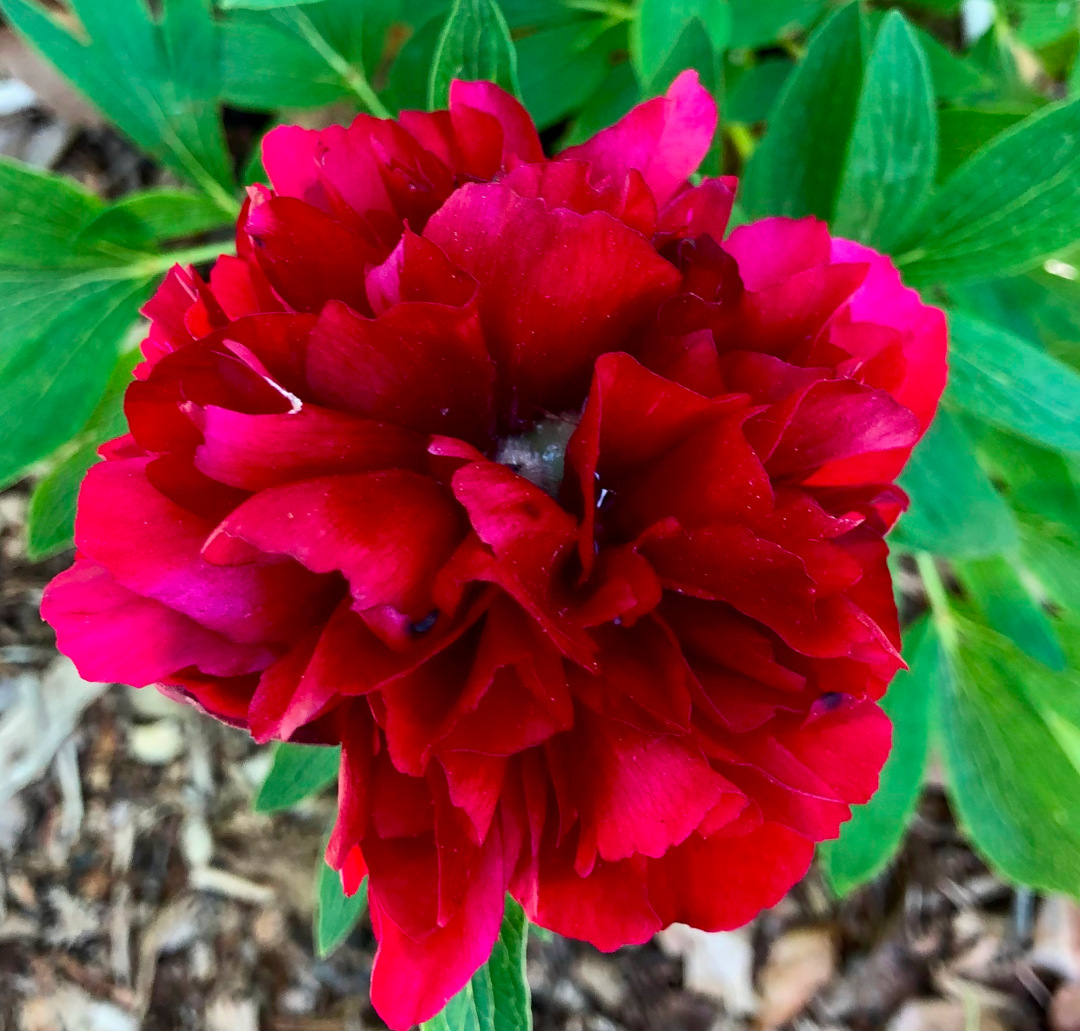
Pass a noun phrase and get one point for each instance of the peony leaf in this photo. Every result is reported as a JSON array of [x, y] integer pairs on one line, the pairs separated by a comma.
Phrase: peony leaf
[[475, 44], [1040, 484], [1013, 203], [892, 155], [659, 37], [1010, 730], [1001, 378], [871, 837], [156, 79], [297, 772], [497, 998], [797, 166], [260, 5], [752, 96], [156, 216], [955, 509], [67, 301], [998, 592], [336, 914], [308, 56], [51, 515], [562, 67], [756, 23]]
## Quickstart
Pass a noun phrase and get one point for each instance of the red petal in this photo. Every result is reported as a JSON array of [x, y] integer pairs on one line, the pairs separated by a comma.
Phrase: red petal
[[519, 142], [664, 139], [557, 288], [309, 257], [418, 364], [258, 451], [412, 979], [115, 636], [721, 882], [388, 532], [152, 546]]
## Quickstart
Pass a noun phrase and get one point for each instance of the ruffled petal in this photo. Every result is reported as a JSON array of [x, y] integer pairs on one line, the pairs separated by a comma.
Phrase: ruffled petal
[[664, 139], [557, 288]]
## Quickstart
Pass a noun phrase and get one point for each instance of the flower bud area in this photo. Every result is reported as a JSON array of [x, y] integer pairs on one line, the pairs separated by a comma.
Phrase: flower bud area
[[540, 454]]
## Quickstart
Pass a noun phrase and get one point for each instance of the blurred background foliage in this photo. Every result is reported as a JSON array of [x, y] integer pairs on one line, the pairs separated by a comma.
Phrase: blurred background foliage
[[945, 133]]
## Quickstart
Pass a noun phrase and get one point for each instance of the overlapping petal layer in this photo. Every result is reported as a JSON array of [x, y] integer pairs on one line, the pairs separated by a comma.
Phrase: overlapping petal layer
[[561, 512]]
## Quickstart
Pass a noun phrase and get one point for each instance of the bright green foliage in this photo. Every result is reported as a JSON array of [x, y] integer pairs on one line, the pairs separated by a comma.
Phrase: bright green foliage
[[475, 43], [497, 997], [1013, 203], [336, 914], [1003, 379], [156, 79], [955, 509], [756, 23], [153, 217], [796, 169], [297, 772], [260, 5], [66, 303], [51, 517], [669, 35], [307, 56], [997, 590], [560, 68], [892, 155], [1010, 733], [869, 839], [752, 94]]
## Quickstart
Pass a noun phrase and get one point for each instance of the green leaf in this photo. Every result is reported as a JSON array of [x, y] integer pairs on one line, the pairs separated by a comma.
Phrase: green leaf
[[562, 67], [475, 44], [1007, 605], [66, 304], [892, 157], [297, 772], [752, 95], [1013, 203], [962, 131], [796, 169], [871, 837], [953, 77], [156, 79], [756, 23], [151, 217], [260, 5], [51, 515], [658, 31], [1009, 732], [618, 94], [336, 914], [1055, 563], [955, 509], [693, 49], [307, 57], [1003, 379], [1038, 482], [497, 997]]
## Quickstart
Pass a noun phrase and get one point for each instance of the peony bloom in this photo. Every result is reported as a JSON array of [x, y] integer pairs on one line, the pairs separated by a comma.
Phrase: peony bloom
[[563, 514]]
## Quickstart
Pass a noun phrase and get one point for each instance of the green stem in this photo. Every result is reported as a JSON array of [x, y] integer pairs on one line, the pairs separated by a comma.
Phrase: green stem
[[938, 596], [352, 76]]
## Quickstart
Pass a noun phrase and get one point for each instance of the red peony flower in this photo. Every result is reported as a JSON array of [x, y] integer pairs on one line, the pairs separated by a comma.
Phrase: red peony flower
[[560, 512]]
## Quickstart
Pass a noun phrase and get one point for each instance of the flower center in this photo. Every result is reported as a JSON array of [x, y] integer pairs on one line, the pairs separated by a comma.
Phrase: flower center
[[540, 454]]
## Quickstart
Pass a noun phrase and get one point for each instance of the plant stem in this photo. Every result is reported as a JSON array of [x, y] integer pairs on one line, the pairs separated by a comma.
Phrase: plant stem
[[938, 596], [351, 75]]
